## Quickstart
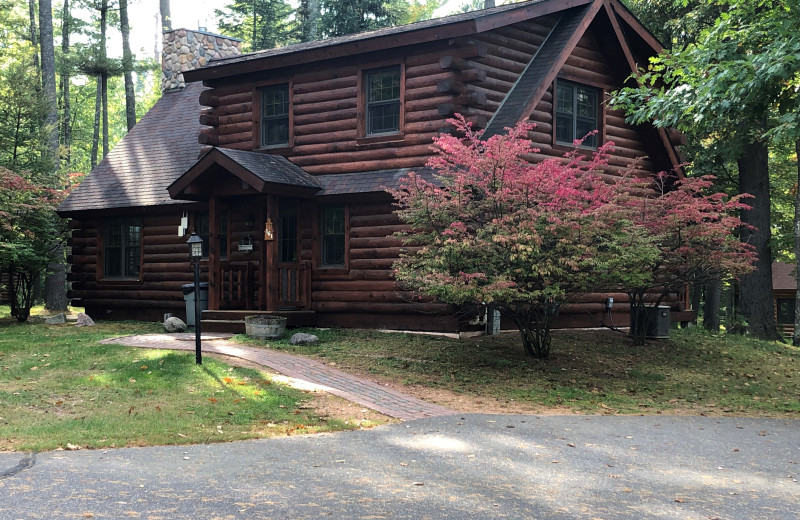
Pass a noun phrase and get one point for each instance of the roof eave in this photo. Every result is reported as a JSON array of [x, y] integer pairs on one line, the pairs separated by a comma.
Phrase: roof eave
[[340, 50]]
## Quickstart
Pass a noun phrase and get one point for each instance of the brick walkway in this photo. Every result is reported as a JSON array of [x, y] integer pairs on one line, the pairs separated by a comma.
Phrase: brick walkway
[[311, 374]]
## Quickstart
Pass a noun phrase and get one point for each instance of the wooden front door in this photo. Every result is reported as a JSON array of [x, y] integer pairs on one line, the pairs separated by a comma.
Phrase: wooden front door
[[255, 269], [291, 277]]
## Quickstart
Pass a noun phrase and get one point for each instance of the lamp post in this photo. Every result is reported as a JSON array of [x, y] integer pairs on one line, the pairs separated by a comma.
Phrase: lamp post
[[196, 253]]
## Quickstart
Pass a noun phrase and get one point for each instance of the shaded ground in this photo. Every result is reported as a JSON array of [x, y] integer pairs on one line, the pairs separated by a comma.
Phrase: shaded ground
[[467, 466], [589, 371]]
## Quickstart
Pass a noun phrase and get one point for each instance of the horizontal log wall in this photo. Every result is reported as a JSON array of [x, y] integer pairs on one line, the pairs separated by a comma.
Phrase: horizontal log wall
[[165, 268], [588, 65]]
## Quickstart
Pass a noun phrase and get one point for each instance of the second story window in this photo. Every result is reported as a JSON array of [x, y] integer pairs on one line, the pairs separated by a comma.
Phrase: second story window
[[383, 101], [275, 115], [576, 113]]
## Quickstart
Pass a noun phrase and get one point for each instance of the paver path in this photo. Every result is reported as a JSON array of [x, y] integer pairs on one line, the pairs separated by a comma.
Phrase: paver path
[[316, 375]]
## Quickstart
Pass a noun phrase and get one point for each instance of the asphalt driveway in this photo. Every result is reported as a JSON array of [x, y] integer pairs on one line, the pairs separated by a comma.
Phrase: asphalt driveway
[[462, 466]]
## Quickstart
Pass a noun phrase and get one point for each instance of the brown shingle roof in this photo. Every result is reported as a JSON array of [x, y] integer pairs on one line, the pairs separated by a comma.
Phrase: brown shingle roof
[[427, 30], [783, 277], [368, 182], [137, 171], [272, 168]]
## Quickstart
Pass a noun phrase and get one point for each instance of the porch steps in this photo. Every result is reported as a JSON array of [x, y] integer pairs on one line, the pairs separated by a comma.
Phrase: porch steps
[[233, 321]]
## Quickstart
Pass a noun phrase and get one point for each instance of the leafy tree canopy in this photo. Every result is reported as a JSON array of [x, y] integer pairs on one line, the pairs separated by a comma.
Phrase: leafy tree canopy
[[29, 232], [262, 24], [499, 229]]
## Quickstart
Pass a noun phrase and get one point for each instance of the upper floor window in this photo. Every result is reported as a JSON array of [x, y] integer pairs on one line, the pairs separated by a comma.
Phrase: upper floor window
[[576, 113], [275, 115], [122, 244], [383, 100]]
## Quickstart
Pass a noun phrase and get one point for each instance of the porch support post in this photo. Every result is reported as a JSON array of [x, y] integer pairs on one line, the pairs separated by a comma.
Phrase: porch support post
[[213, 254], [271, 255]]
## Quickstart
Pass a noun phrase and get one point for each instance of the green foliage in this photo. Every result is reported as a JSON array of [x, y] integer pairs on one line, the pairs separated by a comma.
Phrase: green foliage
[[418, 11], [340, 17], [499, 229], [525, 237], [29, 232], [744, 66], [22, 110], [262, 24]]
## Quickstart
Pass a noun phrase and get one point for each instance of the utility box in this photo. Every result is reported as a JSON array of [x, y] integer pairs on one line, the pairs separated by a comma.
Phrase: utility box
[[188, 298], [655, 322]]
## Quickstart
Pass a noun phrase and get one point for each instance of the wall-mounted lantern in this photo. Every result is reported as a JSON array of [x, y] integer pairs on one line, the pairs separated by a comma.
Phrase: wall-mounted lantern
[[269, 232]]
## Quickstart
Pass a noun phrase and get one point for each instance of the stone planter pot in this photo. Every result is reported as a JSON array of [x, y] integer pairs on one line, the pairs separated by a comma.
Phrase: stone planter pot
[[265, 326]]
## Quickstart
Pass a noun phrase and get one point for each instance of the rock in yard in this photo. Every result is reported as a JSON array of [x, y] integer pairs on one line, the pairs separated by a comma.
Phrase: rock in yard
[[174, 324], [84, 320], [302, 338], [56, 319]]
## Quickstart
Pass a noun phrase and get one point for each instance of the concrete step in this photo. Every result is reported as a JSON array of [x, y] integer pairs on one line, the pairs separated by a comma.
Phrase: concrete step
[[233, 320]]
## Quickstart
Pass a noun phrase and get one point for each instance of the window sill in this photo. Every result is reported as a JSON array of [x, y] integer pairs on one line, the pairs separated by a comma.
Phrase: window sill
[[567, 147], [120, 281], [380, 139], [334, 269], [279, 149]]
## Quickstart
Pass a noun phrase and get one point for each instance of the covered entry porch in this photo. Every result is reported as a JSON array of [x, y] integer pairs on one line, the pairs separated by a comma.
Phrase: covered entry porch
[[259, 212]]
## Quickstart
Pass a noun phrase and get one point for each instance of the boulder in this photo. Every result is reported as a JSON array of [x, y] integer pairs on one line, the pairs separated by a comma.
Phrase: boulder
[[302, 338], [174, 324], [56, 319], [84, 320]]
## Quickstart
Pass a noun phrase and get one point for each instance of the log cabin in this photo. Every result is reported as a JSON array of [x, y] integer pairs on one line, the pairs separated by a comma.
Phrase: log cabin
[[784, 291], [279, 159]]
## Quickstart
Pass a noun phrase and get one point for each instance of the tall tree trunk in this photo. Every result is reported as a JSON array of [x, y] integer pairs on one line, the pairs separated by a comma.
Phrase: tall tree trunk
[[55, 284], [127, 65], [711, 304], [104, 74], [755, 297], [104, 99], [98, 105], [796, 335], [314, 12], [49, 81], [34, 38], [66, 123], [166, 18]]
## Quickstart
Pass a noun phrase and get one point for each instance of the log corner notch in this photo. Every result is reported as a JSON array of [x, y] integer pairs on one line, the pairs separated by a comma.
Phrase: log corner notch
[[208, 118], [464, 73]]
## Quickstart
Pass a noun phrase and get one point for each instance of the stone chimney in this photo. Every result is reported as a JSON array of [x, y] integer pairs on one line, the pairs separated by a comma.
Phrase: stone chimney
[[184, 49]]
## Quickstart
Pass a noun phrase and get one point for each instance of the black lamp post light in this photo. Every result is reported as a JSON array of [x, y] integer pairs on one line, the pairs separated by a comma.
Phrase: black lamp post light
[[196, 253]]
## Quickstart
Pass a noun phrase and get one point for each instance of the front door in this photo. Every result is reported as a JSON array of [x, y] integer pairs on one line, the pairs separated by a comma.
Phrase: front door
[[292, 277], [234, 255]]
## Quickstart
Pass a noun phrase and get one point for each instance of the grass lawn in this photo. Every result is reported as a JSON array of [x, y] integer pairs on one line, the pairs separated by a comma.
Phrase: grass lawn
[[59, 388], [588, 372]]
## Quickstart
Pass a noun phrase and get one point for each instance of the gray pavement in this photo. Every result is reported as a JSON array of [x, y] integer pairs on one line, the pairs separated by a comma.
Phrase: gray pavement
[[447, 467]]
